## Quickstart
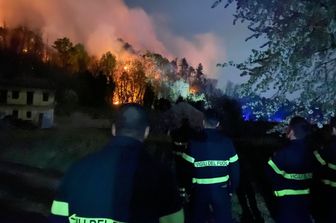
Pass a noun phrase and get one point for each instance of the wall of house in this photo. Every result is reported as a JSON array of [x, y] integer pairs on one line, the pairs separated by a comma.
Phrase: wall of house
[[21, 100], [45, 121], [37, 96], [40, 111]]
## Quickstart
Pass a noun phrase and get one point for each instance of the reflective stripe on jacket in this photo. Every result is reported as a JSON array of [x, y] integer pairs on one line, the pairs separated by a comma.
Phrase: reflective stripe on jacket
[[290, 170], [326, 160], [214, 160]]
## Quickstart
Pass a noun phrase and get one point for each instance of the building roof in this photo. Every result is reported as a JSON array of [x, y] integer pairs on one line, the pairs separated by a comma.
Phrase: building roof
[[27, 82]]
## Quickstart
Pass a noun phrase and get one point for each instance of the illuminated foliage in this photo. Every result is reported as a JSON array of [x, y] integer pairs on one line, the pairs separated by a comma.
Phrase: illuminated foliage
[[107, 64], [123, 77], [130, 82], [299, 53], [74, 58], [133, 72], [79, 59], [21, 40], [63, 47]]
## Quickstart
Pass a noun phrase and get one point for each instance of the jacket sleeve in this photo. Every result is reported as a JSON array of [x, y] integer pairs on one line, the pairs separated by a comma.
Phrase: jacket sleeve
[[272, 169], [60, 210], [234, 169]]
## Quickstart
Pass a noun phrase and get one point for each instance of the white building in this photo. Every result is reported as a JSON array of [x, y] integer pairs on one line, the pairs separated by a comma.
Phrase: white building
[[28, 99]]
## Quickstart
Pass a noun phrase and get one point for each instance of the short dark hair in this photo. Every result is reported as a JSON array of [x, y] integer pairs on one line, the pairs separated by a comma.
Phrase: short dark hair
[[300, 126], [333, 122], [211, 117], [131, 120]]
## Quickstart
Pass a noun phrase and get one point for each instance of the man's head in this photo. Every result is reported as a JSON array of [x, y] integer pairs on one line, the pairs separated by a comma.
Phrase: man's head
[[211, 119], [132, 121], [298, 128], [333, 125]]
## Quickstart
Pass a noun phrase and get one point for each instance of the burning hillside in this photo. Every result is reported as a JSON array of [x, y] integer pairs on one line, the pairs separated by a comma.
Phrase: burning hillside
[[131, 71], [99, 24]]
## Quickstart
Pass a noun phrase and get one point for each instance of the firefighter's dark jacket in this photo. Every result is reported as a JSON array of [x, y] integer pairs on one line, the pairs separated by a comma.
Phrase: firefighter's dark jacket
[[214, 160], [290, 170], [120, 183], [326, 162]]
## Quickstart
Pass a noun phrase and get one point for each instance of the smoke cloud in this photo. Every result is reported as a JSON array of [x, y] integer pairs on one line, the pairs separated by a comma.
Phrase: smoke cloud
[[98, 24]]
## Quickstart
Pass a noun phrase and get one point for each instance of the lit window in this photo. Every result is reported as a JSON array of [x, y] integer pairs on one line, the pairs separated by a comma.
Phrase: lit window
[[15, 94], [45, 96], [29, 114]]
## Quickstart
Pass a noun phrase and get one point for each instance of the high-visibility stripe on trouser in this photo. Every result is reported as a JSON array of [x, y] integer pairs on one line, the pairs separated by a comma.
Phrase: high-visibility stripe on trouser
[[60, 208], [290, 192], [214, 180]]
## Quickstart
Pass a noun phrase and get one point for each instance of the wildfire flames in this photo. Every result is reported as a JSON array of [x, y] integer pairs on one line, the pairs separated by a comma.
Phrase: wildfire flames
[[131, 75], [99, 24], [129, 78], [131, 71]]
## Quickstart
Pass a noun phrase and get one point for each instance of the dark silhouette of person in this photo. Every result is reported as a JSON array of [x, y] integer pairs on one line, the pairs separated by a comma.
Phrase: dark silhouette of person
[[215, 173], [181, 137], [120, 183], [183, 170], [325, 179], [290, 173]]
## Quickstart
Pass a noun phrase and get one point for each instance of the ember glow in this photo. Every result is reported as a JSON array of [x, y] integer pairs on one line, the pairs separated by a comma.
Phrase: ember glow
[[133, 74], [130, 81], [192, 90]]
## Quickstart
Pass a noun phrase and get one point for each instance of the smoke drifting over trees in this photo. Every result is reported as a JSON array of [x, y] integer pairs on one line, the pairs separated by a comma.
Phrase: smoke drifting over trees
[[114, 79], [99, 24]]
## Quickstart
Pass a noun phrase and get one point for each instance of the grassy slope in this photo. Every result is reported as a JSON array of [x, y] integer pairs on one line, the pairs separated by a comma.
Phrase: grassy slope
[[50, 149]]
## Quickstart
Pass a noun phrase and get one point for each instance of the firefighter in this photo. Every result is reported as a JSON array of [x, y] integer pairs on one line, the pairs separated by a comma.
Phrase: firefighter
[[326, 179], [183, 170], [290, 174], [181, 136], [120, 183], [215, 173]]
